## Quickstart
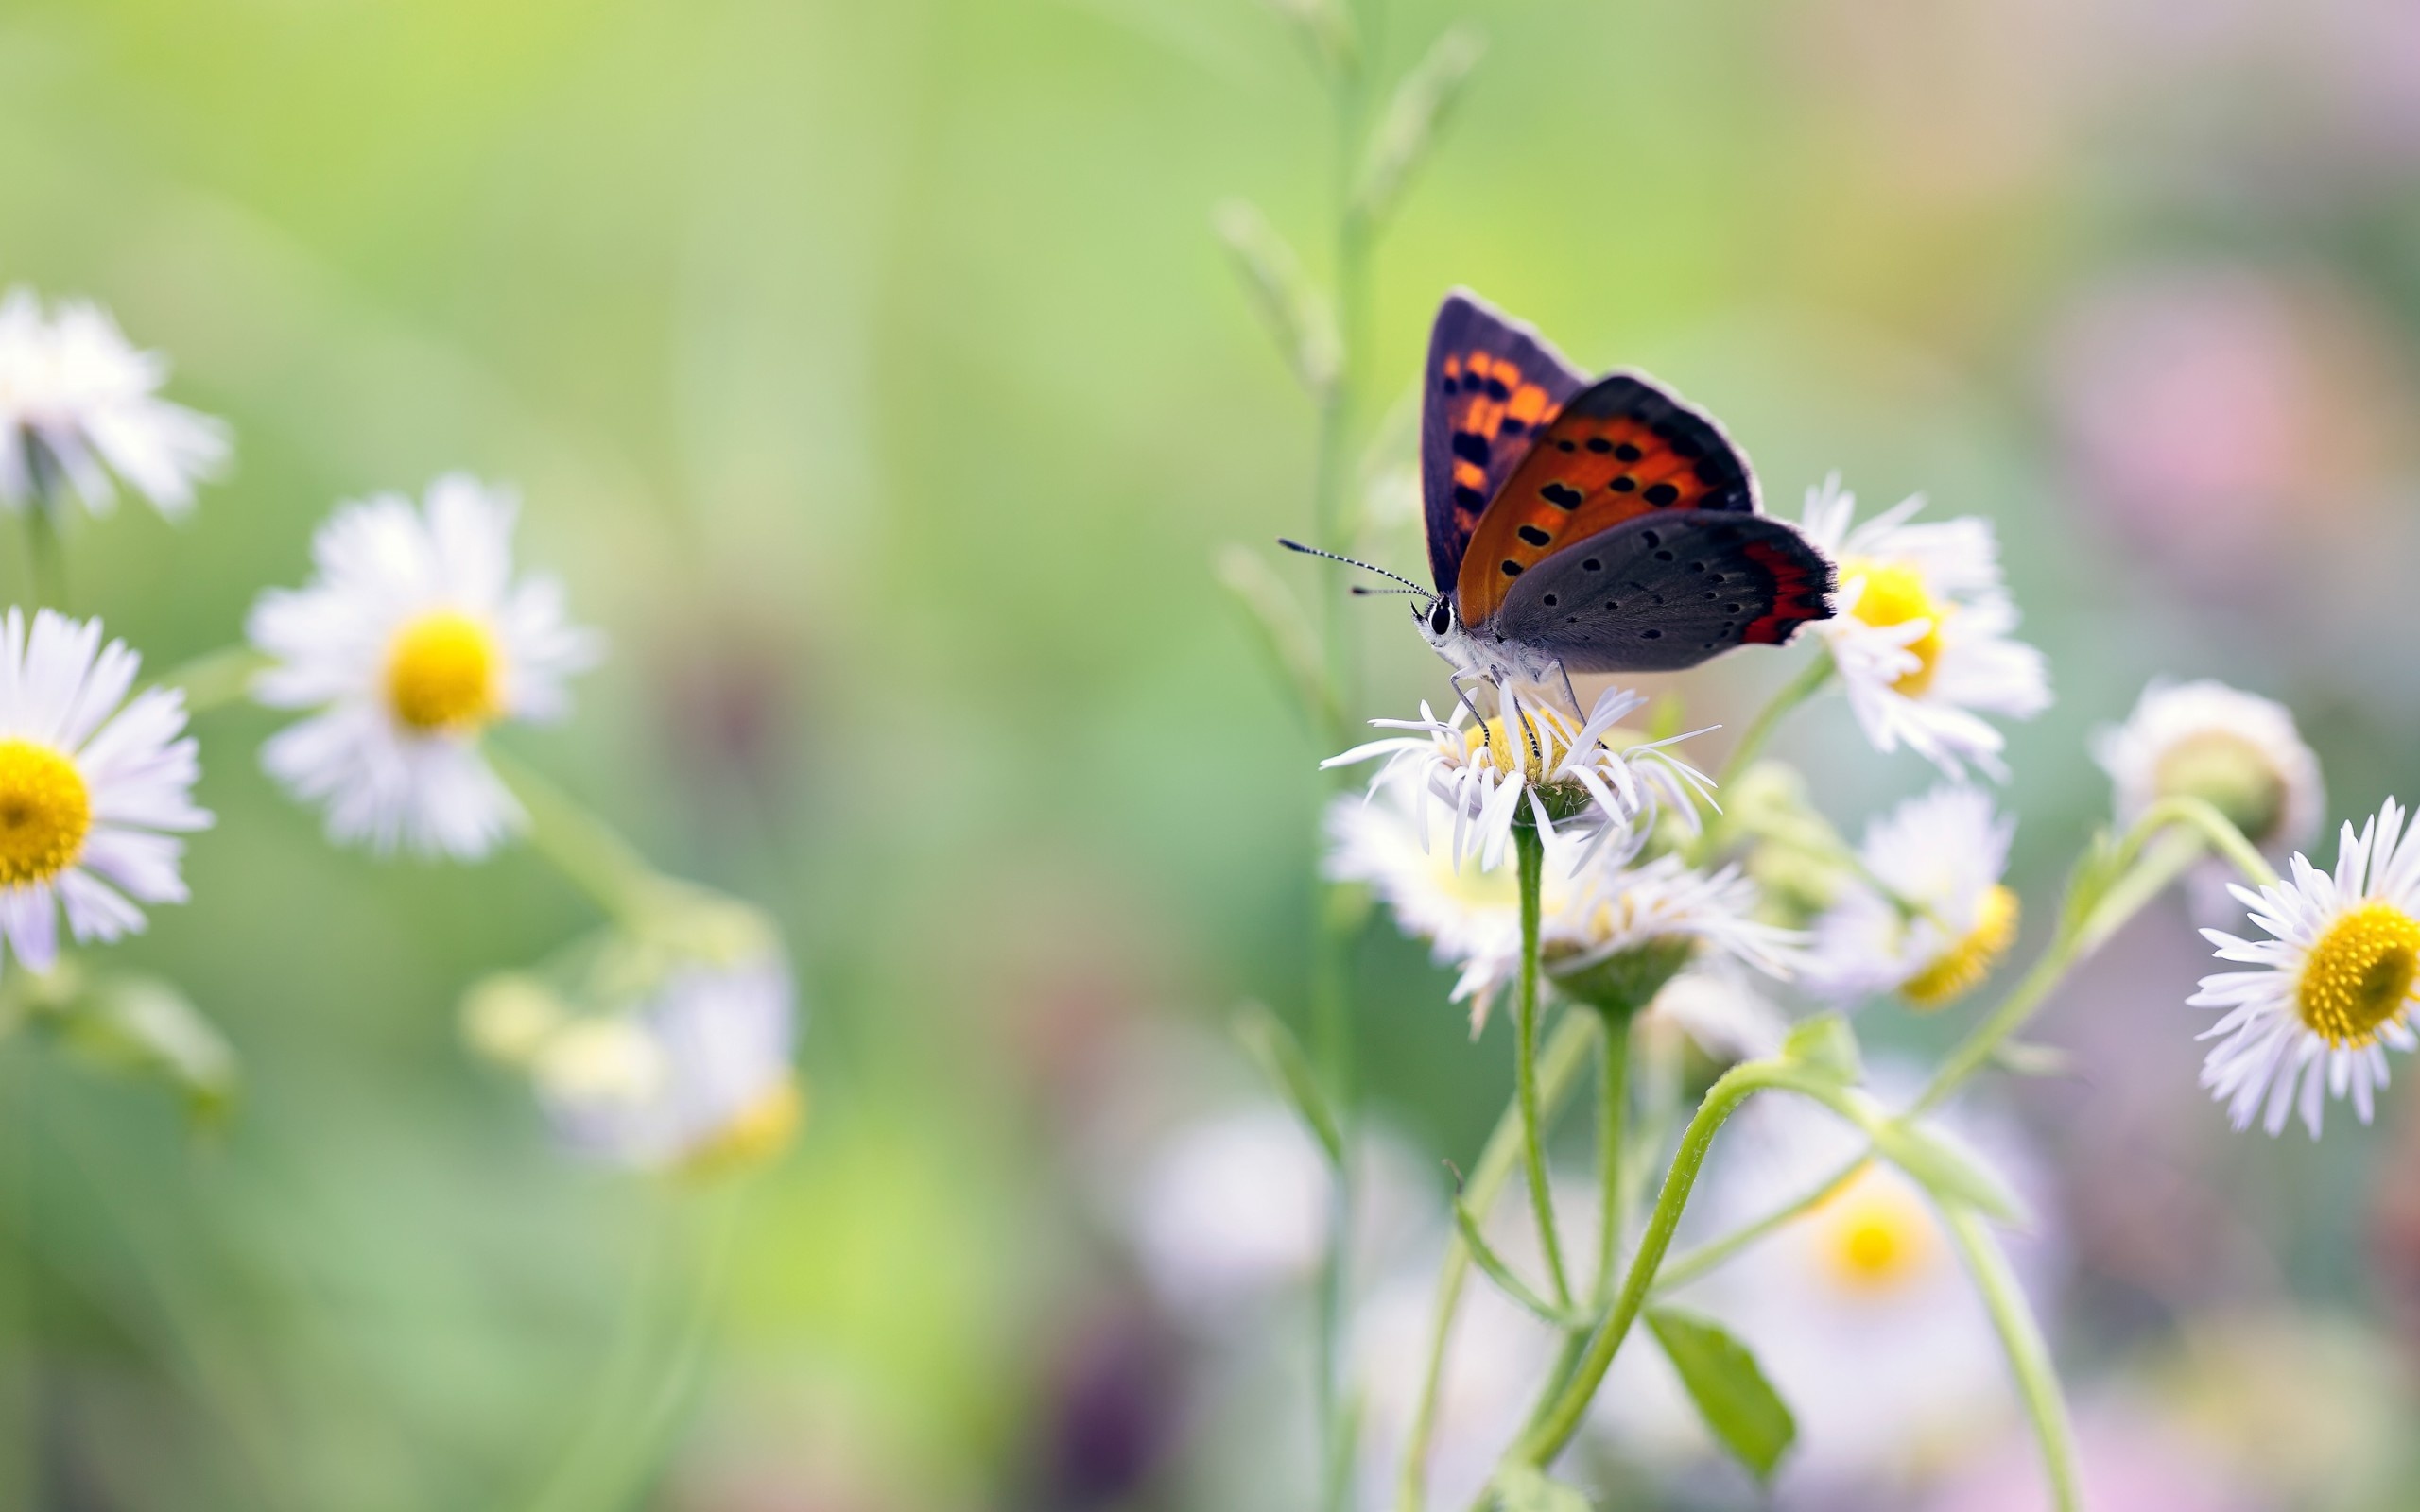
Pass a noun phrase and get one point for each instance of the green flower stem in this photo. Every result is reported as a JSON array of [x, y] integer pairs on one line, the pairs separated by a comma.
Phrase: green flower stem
[[1555, 1424], [1613, 1112], [1530, 850], [1714, 1254], [645, 1385], [216, 679], [1560, 1066], [1339, 411], [2029, 1356], [588, 852], [45, 558], [1796, 691]]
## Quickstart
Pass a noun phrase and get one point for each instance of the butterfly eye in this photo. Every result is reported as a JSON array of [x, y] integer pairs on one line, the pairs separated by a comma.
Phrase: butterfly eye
[[1440, 617]]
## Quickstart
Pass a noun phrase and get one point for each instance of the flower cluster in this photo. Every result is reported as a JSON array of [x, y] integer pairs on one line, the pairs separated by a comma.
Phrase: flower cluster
[[1542, 850], [413, 641]]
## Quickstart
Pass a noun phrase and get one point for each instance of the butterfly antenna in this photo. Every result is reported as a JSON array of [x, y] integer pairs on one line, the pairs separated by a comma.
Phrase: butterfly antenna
[[1314, 551], [1363, 591]]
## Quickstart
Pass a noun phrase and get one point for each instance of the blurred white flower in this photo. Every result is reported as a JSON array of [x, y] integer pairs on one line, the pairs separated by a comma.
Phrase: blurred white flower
[[697, 1078], [88, 791], [2238, 751], [77, 403], [1716, 1005], [1619, 934], [1596, 915], [2333, 985], [1922, 639], [1576, 776], [410, 641], [1469, 910], [1230, 1210], [1931, 917], [1861, 1312]]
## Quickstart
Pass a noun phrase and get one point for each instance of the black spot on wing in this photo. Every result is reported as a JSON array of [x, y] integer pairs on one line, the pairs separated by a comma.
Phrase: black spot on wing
[[1561, 495]]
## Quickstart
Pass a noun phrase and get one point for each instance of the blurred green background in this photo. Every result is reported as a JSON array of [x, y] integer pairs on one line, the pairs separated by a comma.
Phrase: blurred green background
[[872, 376]]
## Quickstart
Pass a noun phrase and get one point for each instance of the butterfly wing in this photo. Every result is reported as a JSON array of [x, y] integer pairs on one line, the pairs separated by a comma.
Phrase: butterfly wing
[[1492, 383], [1623, 448], [1668, 590]]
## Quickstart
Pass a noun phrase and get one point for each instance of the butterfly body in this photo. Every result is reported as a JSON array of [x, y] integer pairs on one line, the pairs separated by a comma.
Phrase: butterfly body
[[1581, 526]]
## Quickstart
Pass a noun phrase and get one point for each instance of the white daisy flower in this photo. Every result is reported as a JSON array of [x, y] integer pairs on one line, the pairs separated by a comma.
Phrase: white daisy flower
[[1575, 775], [1922, 639], [1469, 912], [2239, 751], [2334, 984], [79, 403], [1601, 925], [91, 793], [1931, 917], [1230, 1210], [411, 641], [696, 1078], [1618, 934]]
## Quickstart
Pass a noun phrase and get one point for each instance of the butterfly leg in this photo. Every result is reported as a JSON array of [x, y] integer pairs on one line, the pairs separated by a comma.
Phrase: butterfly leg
[[1463, 693]]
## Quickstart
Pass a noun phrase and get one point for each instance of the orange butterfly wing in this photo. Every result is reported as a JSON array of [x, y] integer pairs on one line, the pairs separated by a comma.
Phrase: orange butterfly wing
[[1622, 448]]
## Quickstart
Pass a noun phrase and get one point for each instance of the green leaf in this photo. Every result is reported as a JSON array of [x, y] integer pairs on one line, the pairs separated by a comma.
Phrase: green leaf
[[1283, 632], [1409, 129], [1948, 1170], [1325, 24], [1272, 1046], [1525, 1489], [1730, 1392], [147, 1027], [1297, 314], [1827, 1044]]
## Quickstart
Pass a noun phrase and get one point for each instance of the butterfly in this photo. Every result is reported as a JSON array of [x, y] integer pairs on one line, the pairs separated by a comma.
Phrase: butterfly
[[1589, 526]]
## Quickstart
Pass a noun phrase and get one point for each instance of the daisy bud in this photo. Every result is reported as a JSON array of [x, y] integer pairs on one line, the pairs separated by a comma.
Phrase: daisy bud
[[2234, 750]]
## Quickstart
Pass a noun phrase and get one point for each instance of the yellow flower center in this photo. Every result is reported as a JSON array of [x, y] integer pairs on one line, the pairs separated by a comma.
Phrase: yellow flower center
[[2359, 974], [45, 811], [1542, 734], [1961, 968], [442, 673], [1874, 1236], [1895, 595], [2228, 772], [763, 1129]]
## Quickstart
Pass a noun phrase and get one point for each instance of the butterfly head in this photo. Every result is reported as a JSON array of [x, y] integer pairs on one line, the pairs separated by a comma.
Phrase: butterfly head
[[1436, 619]]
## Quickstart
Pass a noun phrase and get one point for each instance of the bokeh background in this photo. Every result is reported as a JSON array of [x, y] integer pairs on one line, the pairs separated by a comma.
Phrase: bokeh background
[[873, 377]]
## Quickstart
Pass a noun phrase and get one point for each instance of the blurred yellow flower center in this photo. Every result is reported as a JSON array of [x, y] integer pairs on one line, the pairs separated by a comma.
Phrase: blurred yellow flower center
[[1961, 968], [442, 673], [2359, 974], [1895, 595], [763, 1129], [1875, 1236], [2229, 773], [1540, 734], [45, 811]]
